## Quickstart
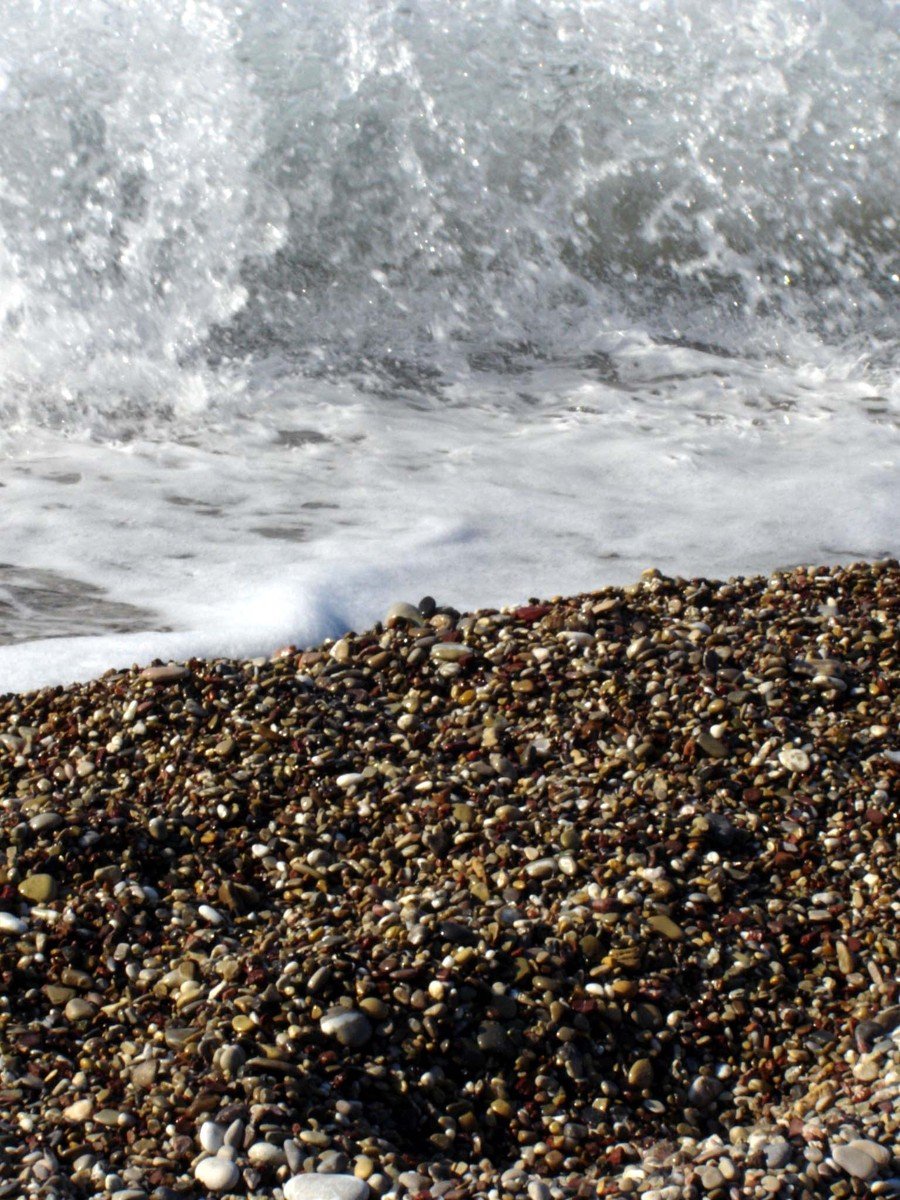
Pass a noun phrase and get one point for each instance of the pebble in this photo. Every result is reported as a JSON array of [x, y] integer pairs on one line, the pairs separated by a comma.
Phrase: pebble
[[350, 1028], [217, 1174], [79, 1110], [211, 1137], [78, 1009], [703, 1091], [264, 1154], [39, 888], [326, 1187], [586, 939], [855, 1161], [402, 612], [793, 759], [879, 1154], [777, 1153], [165, 674]]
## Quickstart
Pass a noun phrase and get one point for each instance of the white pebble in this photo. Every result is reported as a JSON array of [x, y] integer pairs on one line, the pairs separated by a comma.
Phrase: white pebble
[[325, 1187], [11, 924], [264, 1154], [793, 759], [211, 1136], [208, 913], [217, 1174]]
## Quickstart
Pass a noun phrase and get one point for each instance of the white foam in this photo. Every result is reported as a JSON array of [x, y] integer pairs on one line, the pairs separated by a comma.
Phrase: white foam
[[302, 313]]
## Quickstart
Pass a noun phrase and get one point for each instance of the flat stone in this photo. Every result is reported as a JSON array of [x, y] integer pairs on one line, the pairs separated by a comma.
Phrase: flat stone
[[326, 1187], [143, 1074], [58, 995], [217, 1174], [350, 1028], [856, 1162], [711, 745], [666, 926], [793, 759], [79, 1010], [39, 888], [167, 674], [450, 651], [879, 1154], [264, 1154], [341, 651]]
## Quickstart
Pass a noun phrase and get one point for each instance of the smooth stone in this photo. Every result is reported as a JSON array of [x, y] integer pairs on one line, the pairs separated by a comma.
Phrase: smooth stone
[[341, 650], [80, 1111], [143, 1074], [640, 1073], [234, 1134], [856, 1162], [349, 780], [666, 926], [350, 1028], [401, 611], [79, 1010], [230, 1059], [217, 1174], [866, 1070], [264, 1154], [11, 924], [879, 1154], [846, 965], [793, 759], [703, 1090], [208, 913], [38, 888], [46, 821], [493, 1039], [542, 868], [166, 674], [58, 995], [211, 1137], [451, 651], [712, 746], [777, 1153], [326, 1187], [711, 1178]]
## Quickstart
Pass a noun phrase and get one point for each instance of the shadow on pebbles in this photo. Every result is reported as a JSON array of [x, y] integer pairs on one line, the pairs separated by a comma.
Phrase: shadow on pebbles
[[595, 896]]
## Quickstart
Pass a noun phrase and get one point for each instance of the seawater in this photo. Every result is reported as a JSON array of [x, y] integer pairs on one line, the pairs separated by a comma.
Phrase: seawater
[[306, 308]]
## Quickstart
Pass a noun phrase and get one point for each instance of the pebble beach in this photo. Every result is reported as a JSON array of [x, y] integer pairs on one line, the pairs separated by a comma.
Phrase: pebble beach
[[589, 896]]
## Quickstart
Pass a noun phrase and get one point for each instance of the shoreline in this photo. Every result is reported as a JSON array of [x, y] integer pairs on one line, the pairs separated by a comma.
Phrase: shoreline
[[587, 897]]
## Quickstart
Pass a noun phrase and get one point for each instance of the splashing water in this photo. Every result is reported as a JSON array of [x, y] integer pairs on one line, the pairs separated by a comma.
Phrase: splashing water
[[388, 280]]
